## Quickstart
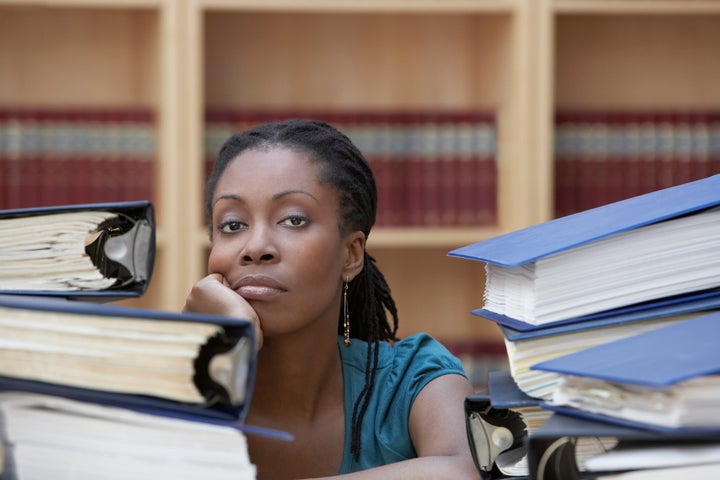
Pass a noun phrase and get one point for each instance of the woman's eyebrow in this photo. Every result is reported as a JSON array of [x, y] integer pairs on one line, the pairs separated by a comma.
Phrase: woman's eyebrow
[[284, 193], [229, 196]]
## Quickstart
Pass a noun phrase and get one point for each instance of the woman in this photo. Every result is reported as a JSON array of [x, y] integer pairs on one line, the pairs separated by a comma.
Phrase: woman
[[292, 204]]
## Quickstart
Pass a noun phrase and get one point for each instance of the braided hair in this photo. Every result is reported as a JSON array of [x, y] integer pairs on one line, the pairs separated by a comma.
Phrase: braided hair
[[345, 168]]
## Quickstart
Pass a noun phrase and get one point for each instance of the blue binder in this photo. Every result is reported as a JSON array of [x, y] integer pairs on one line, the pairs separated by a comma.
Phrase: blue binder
[[657, 359], [552, 448], [543, 239], [525, 246]]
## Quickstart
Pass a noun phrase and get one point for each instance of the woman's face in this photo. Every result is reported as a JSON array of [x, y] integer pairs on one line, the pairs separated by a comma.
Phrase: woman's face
[[277, 242]]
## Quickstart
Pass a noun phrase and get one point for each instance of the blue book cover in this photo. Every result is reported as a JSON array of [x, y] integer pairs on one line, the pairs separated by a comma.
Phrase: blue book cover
[[532, 243], [504, 392], [659, 358]]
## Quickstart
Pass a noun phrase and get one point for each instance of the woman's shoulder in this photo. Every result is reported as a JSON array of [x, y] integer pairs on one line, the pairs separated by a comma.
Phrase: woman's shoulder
[[418, 350], [425, 352]]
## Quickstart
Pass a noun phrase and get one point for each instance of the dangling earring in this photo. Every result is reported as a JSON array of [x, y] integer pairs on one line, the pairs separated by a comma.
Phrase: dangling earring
[[346, 315]]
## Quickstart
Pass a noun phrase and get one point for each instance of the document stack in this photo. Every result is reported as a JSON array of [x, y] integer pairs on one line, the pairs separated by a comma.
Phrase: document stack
[[625, 272], [90, 390]]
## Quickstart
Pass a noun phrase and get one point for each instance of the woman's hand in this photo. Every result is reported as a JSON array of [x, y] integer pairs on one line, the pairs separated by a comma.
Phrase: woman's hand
[[213, 295]]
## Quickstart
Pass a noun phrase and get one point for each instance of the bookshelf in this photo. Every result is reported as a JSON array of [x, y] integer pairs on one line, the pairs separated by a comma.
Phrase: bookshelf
[[275, 55], [523, 60], [645, 70], [102, 57]]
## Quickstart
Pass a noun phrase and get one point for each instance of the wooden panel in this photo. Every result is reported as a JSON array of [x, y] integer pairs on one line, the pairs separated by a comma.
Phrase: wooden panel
[[637, 61], [69, 57], [435, 293], [399, 61]]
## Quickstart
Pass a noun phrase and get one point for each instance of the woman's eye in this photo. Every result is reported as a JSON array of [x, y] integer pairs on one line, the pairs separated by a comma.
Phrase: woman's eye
[[230, 226], [294, 221]]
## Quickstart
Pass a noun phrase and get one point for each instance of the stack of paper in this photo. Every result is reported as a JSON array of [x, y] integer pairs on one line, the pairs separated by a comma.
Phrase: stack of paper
[[668, 378], [53, 437]]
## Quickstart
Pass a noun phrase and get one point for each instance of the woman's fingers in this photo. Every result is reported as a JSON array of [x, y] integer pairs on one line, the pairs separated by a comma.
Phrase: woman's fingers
[[212, 295]]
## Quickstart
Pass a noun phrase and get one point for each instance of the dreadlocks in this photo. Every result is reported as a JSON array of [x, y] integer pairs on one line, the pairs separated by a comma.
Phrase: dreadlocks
[[346, 169]]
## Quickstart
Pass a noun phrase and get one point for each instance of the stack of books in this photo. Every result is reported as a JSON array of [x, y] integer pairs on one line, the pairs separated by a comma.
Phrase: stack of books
[[628, 287], [91, 390]]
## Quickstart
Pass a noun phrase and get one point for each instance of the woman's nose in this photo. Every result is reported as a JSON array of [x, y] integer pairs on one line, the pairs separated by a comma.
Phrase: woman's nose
[[258, 246]]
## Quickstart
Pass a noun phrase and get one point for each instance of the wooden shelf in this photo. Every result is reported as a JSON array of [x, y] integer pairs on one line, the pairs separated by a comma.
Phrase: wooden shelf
[[637, 62], [75, 4], [643, 7], [361, 6], [522, 59], [424, 237]]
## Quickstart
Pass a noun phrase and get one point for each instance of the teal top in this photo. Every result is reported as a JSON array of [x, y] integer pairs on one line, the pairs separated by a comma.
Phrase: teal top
[[403, 370]]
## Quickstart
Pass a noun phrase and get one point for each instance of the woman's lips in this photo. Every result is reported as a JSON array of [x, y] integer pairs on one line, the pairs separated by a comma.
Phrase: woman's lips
[[258, 288]]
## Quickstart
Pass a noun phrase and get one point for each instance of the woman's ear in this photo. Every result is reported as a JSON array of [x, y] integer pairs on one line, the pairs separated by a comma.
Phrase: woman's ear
[[355, 254]]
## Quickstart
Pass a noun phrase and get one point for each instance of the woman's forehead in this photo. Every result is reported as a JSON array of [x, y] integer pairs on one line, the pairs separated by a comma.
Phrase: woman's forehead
[[270, 170]]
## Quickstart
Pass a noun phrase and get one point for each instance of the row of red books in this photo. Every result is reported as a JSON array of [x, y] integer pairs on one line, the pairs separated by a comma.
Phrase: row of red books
[[71, 156], [432, 168], [606, 156]]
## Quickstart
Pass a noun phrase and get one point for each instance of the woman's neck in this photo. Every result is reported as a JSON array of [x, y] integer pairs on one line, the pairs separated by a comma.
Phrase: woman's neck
[[308, 372]]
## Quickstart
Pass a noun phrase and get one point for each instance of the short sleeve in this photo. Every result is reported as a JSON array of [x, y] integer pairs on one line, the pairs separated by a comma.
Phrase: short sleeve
[[404, 369]]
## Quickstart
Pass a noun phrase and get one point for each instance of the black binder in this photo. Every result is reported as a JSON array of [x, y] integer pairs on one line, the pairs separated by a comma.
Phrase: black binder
[[552, 449], [122, 248]]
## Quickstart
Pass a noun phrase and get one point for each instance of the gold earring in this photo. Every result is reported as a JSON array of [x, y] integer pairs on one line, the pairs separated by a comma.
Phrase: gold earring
[[346, 315]]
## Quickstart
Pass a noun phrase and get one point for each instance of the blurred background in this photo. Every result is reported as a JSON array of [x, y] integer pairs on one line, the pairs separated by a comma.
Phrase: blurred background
[[478, 117]]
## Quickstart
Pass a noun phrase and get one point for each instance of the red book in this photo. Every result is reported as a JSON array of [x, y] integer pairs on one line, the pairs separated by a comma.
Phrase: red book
[[565, 153], [664, 163], [432, 174], [700, 145], [378, 154], [585, 176], [468, 177], [29, 160], [622, 155], [714, 144], [398, 168], [421, 133], [682, 147], [485, 165], [449, 166]]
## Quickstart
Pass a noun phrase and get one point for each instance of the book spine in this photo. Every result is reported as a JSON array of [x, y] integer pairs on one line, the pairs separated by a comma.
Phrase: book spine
[[431, 176], [420, 142], [484, 154], [700, 145], [616, 159], [565, 146], [714, 144]]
